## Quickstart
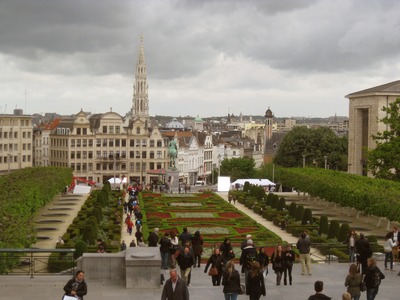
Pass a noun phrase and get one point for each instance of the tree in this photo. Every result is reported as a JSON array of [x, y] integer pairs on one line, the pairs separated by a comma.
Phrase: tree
[[384, 160], [315, 144], [236, 168], [334, 229], [323, 225], [307, 217]]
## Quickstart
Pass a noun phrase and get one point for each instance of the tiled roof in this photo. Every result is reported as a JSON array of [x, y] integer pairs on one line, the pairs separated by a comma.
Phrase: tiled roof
[[391, 87]]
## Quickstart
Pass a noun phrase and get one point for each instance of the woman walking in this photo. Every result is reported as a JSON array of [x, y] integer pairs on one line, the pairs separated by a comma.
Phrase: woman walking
[[216, 261], [231, 281], [263, 259], [288, 257], [76, 287], [278, 263], [174, 241], [226, 250], [197, 245], [255, 286], [353, 281], [372, 279], [388, 248]]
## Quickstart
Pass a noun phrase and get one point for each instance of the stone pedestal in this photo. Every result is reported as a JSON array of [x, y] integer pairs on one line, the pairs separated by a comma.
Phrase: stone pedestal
[[172, 177], [142, 265]]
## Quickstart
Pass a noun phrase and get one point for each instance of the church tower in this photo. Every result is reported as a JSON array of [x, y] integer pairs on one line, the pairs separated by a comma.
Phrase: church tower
[[140, 101]]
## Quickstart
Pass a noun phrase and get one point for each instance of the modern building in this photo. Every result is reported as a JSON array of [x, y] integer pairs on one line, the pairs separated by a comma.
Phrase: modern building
[[15, 141], [365, 113]]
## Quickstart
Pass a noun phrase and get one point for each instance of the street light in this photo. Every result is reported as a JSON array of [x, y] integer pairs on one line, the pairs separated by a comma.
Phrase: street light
[[326, 160], [273, 173], [304, 160], [9, 161]]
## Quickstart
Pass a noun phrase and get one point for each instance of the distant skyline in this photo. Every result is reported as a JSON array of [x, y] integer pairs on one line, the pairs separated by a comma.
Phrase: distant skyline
[[204, 57]]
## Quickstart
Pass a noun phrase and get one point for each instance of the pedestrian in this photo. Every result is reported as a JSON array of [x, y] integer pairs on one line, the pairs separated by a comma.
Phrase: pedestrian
[[244, 243], [132, 244], [153, 238], [101, 246], [304, 245], [165, 251], [123, 246], [318, 287], [231, 281], [226, 250], [388, 249], [197, 245], [288, 258], [248, 256], [174, 251], [363, 252], [234, 200], [185, 236], [351, 243], [76, 287], [278, 262], [216, 261], [255, 286], [372, 279], [396, 239], [185, 261], [263, 260], [175, 288], [353, 281]]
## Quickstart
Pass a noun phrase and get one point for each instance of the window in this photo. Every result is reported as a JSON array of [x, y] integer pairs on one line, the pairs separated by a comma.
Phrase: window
[[144, 154], [104, 129], [111, 142], [137, 154], [159, 154], [117, 142], [144, 143], [72, 154], [117, 129], [84, 142], [111, 129], [151, 143], [98, 167], [15, 135], [151, 166], [5, 135], [98, 154], [90, 154], [90, 142], [137, 167], [104, 154], [84, 154], [104, 142], [131, 167], [78, 154], [29, 135], [84, 131], [72, 143], [159, 143], [123, 154], [131, 154], [23, 135], [78, 131], [137, 130], [78, 142], [23, 146], [131, 143], [123, 143], [98, 142], [151, 154], [137, 143]]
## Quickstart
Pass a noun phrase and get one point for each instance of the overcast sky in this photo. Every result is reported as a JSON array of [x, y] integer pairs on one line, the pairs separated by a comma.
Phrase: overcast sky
[[204, 57]]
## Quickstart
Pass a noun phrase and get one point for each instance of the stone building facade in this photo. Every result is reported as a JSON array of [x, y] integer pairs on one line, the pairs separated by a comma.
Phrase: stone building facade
[[365, 113]]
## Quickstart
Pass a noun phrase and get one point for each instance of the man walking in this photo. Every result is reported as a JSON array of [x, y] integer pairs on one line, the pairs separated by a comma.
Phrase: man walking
[[303, 245], [175, 288]]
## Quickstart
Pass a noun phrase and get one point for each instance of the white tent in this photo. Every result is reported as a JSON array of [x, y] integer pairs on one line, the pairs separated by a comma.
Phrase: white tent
[[261, 182], [115, 180]]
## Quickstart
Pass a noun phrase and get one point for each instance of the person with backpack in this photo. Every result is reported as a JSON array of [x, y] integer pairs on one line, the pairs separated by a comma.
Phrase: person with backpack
[[278, 263], [248, 256], [372, 279], [231, 281]]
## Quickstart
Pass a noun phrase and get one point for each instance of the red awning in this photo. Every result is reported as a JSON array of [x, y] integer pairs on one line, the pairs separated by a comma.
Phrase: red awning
[[157, 172]]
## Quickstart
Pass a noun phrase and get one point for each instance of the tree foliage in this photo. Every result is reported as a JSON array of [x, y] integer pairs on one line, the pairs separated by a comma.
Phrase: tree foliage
[[384, 160], [236, 168], [323, 225], [315, 144]]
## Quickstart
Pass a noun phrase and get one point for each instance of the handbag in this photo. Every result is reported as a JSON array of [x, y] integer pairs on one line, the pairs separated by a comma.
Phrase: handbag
[[213, 272], [363, 286], [69, 298]]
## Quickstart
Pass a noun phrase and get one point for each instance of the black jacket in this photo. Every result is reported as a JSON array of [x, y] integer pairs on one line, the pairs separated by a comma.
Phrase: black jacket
[[255, 285], [216, 261], [80, 291], [231, 282], [153, 239]]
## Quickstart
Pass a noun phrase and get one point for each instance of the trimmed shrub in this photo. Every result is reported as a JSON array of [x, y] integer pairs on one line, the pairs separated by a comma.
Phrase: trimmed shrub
[[268, 201], [323, 225], [97, 213], [89, 234], [246, 186], [281, 204], [80, 248], [334, 229], [373, 241], [307, 217], [299, 212], [293, 209], [344, 232], [275, 201]]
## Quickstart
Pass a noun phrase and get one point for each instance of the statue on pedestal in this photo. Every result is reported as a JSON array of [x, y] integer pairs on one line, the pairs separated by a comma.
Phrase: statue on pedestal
[[172, 153]]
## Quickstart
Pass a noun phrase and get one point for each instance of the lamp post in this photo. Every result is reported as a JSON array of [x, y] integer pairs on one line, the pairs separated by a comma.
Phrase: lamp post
[[304, 160], [326, 161], [273, 173], [9, 156]]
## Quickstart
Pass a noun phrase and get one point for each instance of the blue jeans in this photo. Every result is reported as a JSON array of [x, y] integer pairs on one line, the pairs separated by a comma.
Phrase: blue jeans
[[229, 296], [351, 255], [165, 260], [371, 293], [389, 256]]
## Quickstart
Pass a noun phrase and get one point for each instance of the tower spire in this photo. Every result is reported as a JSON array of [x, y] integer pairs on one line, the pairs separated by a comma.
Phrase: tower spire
[[140, 101]]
